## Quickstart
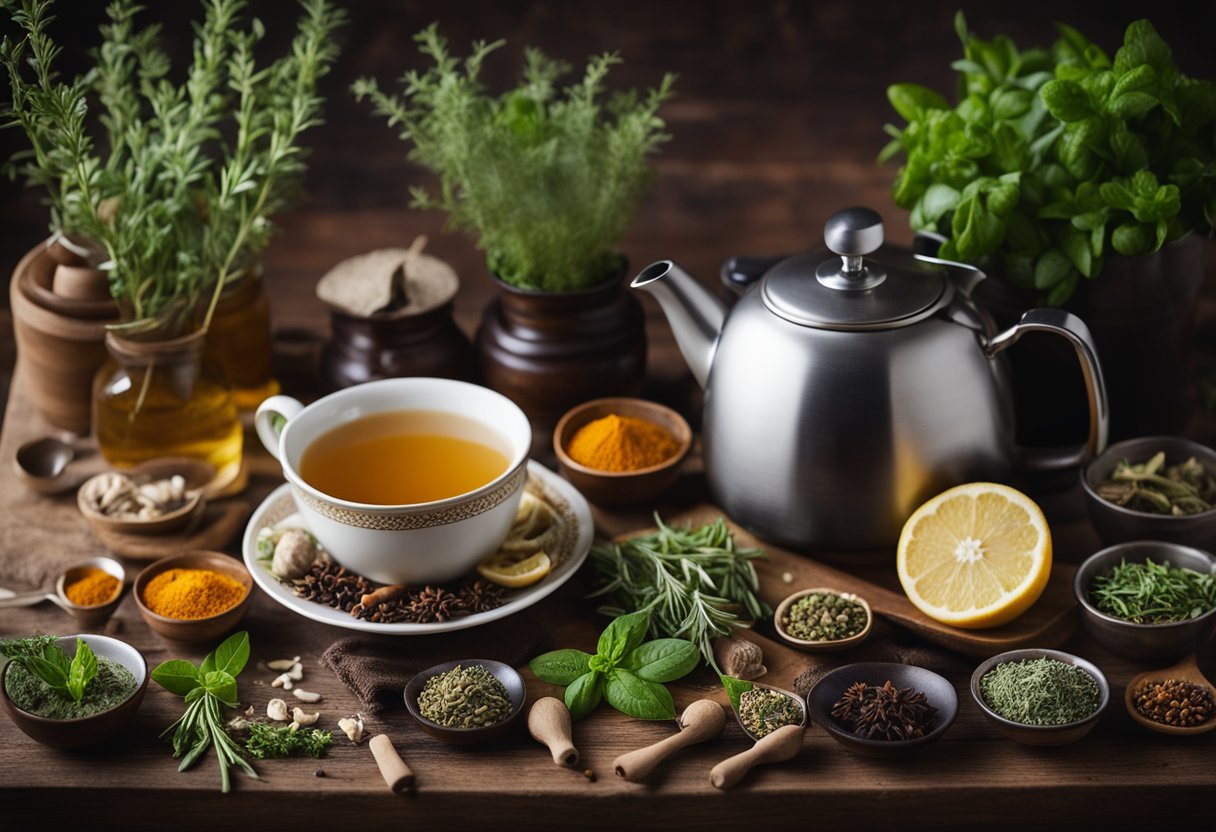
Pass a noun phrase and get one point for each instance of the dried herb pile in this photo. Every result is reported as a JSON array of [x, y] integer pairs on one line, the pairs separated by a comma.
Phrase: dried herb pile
[[336, 586], [1040, 692], [1178, 490], [1153, 593]]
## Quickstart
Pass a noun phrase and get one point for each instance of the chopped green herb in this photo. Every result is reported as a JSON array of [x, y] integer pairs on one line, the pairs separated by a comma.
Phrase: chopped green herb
[[1040, 692], [277, 741], [1153, 593]]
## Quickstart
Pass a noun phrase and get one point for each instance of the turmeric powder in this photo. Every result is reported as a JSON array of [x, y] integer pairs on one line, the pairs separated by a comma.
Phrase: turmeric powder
[[94, 587], [621, 443], [187, 594]]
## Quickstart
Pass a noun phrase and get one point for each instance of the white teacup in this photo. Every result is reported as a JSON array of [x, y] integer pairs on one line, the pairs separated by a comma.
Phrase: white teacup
[[413, 544]]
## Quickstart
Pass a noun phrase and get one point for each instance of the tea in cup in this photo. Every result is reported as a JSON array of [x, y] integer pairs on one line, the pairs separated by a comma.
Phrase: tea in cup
[[407, 480]]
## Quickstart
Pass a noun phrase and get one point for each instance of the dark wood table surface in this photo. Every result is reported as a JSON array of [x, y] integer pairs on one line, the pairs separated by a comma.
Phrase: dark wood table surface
[[777, 124]]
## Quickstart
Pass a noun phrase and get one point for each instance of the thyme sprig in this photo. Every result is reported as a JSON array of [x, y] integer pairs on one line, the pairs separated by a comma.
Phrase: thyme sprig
[[694, 582], [179, 191]]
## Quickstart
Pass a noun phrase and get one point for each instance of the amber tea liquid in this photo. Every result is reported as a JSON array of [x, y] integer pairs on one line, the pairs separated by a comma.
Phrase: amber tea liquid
[[400, 457]]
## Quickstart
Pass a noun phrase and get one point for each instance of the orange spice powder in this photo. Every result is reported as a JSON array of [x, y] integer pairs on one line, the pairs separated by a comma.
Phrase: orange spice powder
[[621, 443]]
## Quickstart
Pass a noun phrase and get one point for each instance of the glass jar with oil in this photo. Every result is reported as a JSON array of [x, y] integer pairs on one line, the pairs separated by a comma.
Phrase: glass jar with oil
[[161, 398]]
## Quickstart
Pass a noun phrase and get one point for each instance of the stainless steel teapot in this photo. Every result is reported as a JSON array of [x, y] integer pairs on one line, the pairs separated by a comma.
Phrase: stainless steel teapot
[[848, 386]]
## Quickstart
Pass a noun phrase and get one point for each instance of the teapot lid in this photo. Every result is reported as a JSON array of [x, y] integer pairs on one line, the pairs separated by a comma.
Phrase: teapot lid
[[853, 291]]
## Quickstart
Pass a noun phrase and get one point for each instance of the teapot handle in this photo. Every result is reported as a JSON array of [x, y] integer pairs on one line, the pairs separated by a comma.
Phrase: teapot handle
[[1072, 328]]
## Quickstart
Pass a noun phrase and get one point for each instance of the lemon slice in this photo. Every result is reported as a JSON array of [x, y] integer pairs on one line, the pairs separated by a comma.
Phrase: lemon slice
[[511, 571], [975, 556]]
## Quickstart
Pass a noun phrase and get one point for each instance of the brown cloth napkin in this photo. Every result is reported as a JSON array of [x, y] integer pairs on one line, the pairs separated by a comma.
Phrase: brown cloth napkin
[[377, 668], [886, 644]]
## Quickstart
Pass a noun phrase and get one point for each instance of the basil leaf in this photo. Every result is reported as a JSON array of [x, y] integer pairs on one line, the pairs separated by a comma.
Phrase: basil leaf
[[623, 635], [1051, 268], [53, 654], [637, 697], [1131, 238], [221, 685], [662, 660], [177, 676], [82, 670], [1142, 45], [560, 667], [735, 688], [1067, 100], [1132, 104], [49, 671], [911, 100], [584, 694], [1009, 104], [231, 656], [1076, 245], [938, 200]]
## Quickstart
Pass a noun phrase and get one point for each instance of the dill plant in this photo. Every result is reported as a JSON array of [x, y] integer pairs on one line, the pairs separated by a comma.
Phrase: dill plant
[[546, 178], [173, 179]]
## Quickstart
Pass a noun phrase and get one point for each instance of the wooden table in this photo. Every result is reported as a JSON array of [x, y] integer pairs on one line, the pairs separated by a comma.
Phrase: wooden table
[[1119, 775]]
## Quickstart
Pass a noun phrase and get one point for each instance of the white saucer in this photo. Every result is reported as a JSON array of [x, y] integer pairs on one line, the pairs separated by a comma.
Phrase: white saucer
[[279, 509]]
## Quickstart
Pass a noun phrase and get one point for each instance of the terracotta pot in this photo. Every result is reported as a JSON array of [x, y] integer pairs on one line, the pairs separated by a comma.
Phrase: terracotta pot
[[1141, 311], [60, 338], [394, 345], [548, 351]]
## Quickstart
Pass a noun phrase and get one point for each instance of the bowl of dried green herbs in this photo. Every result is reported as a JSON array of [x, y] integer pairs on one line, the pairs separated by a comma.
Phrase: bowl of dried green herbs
[[1148, 600], [883, 709], [466, 702], [1040, 697], [1153, 488]]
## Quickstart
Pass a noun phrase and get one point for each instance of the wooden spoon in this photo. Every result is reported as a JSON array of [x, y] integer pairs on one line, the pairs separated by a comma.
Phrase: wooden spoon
[[549, 724], [1186, 670], [779, 746], [700, 721], [41, 464]]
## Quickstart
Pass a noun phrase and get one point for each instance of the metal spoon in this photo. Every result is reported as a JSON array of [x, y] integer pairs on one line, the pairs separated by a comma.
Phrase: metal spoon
[[42, 463], [1186, 670], [87, 617], [780, 745]]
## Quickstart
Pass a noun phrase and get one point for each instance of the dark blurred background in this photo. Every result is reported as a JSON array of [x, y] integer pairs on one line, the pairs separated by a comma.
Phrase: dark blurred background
[[777, 120]]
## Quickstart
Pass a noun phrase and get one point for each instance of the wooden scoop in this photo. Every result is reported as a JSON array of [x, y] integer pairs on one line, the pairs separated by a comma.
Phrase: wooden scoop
[[779, 746], [397, 775], [700, 721], [1186, 670], [549, 724]]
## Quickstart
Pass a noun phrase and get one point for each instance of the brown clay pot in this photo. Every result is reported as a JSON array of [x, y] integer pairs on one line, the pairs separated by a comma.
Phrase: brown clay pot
[[1141, 311], [548, 351], [394, 345], [60, 337]]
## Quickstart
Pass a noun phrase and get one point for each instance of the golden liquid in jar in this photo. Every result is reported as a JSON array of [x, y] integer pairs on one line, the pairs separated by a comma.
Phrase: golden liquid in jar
[[402, 457]]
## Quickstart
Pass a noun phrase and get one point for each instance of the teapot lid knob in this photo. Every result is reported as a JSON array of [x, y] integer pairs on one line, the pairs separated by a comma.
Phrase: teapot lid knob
[[852, 233]]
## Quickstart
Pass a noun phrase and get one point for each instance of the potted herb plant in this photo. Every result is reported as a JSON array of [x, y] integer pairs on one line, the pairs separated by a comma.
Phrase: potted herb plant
[[167, 188], [1080, 180], [546, 179]]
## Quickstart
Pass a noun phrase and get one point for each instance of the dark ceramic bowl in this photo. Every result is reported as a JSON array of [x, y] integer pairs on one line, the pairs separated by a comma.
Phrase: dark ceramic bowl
[[830, 688], [1042, 735], [77, 733], [195, 629], [1155, 643], [1116, 524], [611, 488], [511, 680]]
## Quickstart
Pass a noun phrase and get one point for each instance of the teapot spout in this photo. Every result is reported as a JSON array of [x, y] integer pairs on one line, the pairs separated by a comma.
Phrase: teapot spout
[[694, 314]]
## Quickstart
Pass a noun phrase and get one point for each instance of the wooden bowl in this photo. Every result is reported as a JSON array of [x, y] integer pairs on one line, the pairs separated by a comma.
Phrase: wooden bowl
[[1041, 735], [92, 617], [611, 488], [822, 646], [511, 680], [830, 688], [197, 475], [76, 733], [196, 629]]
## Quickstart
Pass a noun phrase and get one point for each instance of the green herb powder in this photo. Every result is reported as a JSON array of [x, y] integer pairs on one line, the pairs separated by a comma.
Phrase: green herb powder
[[763, 711], [825, 616], [1040, 692], [112, 686], [464, 697]]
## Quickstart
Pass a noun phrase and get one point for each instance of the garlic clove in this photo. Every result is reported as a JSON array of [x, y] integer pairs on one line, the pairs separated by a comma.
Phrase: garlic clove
[[283, 664], [296, 673], [299, 717], [306, 695], [282, 681], [352, 726], [276, 709]]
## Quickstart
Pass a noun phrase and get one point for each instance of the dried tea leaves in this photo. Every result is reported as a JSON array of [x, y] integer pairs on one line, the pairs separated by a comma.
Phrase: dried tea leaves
[[464, 697], [1151, 487]]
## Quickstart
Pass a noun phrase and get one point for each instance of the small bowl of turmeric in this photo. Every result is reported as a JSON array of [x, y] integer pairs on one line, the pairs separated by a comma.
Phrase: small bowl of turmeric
[[195, 596], [618, 451]]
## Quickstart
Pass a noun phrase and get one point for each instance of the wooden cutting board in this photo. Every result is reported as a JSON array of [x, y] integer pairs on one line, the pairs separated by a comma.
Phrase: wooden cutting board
[[1049, 623]]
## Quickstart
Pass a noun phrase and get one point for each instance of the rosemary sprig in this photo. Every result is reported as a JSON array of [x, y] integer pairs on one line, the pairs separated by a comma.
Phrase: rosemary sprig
[[693, 581], [179, 190], [1153, 593]]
